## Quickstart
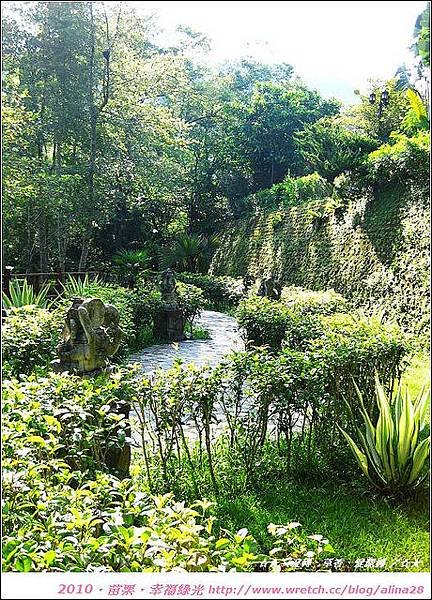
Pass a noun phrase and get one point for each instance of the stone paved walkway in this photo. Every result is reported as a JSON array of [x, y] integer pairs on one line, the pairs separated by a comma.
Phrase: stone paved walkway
[[224, 338]]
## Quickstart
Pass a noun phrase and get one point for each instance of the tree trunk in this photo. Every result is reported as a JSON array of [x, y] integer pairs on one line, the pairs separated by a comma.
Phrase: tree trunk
[[85, 247], [43, 249], [92, 158]]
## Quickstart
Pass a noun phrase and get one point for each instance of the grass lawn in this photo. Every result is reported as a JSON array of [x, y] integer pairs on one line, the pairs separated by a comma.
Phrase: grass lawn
[[357, 524], [417, 374]]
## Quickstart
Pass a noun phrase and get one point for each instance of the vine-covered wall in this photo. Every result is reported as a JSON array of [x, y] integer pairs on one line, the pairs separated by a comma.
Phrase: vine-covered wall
[[375, 251]]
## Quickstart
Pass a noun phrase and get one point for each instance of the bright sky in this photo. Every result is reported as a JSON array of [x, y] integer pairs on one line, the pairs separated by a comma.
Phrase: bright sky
[[334, 47]]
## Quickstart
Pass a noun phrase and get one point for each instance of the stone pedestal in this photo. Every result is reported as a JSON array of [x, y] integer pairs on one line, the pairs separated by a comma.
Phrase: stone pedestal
[[169, 325]]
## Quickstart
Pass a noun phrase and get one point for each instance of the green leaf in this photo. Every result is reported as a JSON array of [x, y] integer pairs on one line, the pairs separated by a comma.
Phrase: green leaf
[[419, 457], [23, 564]]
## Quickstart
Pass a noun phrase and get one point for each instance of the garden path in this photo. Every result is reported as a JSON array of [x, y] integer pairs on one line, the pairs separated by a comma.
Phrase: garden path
[[224, 338]]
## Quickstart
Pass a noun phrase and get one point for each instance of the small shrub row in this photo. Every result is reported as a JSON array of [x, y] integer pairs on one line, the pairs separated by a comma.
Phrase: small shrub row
[[269, 323], [292, 402], [62, 510]]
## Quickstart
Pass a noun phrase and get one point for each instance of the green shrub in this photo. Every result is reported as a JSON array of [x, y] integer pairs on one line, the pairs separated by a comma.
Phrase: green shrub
[[263, 321], [356, 347], [67, 417], [302, 190], [291, 321], [217, 290], [393, 453], [63, 512], [311, 302], [329, 148], [29, 338], [404, 159], [110, 526], [293, 191], [191, 301]]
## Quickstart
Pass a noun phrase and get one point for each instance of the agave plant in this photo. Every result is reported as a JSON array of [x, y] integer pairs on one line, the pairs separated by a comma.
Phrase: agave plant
[[22, 293], [393, 453], [79, 287]]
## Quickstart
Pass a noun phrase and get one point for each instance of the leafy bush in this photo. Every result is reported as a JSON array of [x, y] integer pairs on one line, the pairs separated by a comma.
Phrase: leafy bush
[[302, 190], [404, 159], [191, 301], [330, 149], [217, 290], [293, 320], [63, 512], [64, 416], [311, 302], [30, 335], [22, 293], [263, 321], [355, 347], [293, 191], [393, 453]]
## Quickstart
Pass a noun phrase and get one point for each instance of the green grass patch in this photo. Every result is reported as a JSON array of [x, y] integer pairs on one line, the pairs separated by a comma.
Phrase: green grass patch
[[359, 526], [417, 374]]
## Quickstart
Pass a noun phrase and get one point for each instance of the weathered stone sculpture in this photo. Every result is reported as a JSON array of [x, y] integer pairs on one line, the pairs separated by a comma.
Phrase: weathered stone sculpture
[[248, 282], [169, 322], [91, 335], [270, 288], [168, 289]]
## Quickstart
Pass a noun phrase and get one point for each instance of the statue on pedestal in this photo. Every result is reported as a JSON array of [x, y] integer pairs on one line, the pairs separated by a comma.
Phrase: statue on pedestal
[[91, 335], [169, 322], [168, 289]]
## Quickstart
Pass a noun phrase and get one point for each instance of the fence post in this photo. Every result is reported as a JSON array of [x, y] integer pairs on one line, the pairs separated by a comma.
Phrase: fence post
[[7, 276]]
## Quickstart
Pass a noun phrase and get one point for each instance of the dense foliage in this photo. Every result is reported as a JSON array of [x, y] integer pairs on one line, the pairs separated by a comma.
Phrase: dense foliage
[[293, 320], [63, 511], [29, 338], [114, 142], [218, 291]]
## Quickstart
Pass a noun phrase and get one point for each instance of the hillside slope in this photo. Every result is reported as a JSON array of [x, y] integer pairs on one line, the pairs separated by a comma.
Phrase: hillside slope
[[375, 251]]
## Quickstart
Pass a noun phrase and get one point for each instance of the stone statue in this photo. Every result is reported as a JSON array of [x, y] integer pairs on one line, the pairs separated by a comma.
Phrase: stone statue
[[168, 289], [270, 288], [169, 322], [248, 282], [91, 335]]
